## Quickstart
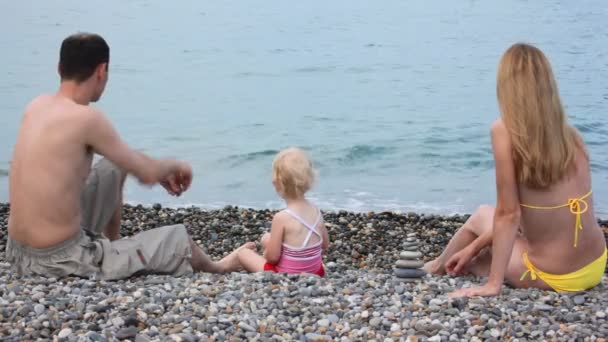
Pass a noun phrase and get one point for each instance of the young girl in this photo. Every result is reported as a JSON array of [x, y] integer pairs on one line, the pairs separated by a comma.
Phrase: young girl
[[298, 235]]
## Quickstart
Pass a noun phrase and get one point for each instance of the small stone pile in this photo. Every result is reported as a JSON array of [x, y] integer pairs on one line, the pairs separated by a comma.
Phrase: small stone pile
[[408, 267]]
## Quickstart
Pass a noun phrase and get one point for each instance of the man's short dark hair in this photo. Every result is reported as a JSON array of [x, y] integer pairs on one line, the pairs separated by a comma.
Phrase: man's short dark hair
[[80, 54]]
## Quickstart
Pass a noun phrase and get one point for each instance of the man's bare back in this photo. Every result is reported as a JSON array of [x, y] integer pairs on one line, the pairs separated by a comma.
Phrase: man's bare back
[[65, 214], [50, 164]]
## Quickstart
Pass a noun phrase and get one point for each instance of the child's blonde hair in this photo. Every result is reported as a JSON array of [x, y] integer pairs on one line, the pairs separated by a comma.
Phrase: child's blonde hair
[[292, 172]]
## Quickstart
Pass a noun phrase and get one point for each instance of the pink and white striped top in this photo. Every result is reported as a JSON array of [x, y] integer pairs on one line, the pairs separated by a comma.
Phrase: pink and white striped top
[[302, 259]]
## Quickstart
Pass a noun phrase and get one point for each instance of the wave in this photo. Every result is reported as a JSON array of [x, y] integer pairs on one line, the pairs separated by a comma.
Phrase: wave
[[240, 159], [590, 127], [313, 69], [248, 74], [359, 153]]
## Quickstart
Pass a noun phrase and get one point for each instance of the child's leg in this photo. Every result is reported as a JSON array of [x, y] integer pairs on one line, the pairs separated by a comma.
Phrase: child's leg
[[251, 260]]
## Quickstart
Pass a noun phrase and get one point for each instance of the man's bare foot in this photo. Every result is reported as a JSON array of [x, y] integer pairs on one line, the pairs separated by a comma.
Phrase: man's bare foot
[[230, 263], [434, 267]]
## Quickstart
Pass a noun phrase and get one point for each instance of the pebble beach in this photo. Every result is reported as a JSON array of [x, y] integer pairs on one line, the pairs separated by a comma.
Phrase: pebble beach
[[359, 300]]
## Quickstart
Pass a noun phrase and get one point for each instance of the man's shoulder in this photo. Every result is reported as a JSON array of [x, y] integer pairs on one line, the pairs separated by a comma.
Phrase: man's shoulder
[[57, 105]]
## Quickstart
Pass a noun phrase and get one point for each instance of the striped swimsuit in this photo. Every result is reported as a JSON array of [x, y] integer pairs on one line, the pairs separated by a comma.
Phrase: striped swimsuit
[[301, 259]]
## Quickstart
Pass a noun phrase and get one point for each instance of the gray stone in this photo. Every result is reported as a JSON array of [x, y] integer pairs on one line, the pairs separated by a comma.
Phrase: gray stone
[[323, 322], [39, 309], [409, 273], [409, 264], [333, 318], [127, 333], [409, 255], [64, 333], [246, 327], [408, 280], [95, 337], [312, 337], [375, 322], [579, 300], [543, 307]]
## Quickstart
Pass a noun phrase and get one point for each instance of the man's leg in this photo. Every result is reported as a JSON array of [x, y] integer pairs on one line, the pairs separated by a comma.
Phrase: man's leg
[[112, 230], [101, 201], [476, 225]]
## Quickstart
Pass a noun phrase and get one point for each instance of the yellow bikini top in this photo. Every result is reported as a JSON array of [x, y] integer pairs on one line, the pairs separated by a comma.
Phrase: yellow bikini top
[[575, 208]]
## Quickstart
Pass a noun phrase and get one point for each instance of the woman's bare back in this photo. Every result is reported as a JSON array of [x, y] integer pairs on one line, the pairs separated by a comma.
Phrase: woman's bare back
[[551, 233]]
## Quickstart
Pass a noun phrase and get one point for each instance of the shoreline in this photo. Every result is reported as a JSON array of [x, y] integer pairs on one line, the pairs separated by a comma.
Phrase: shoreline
[[359, 299]]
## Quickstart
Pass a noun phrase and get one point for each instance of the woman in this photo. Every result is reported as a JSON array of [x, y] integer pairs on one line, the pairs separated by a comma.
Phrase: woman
[[543, 232]]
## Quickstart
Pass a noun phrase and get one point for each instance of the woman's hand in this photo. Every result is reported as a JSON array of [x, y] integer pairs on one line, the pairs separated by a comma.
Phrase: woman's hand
[[460, 260], [487, 290]]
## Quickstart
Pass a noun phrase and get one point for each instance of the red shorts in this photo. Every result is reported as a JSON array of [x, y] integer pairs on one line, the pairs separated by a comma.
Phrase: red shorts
[[273, 268]]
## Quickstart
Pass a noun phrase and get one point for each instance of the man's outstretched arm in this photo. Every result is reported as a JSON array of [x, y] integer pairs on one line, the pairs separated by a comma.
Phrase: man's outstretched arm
[[104, 140]]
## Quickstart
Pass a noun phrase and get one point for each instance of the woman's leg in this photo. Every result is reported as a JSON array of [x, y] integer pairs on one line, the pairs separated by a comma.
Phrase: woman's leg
[[251, 260], [480, 222], [481, 265]]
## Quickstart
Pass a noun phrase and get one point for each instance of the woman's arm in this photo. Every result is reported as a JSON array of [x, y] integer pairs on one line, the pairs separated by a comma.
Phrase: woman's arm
[[272, 253], [506, 217]]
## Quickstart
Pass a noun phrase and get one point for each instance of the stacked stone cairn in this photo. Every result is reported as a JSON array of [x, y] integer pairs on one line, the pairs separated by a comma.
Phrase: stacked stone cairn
[[408, 267]]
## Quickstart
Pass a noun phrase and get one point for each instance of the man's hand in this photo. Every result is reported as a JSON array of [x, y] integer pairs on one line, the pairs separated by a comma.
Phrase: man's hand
[[459, 261], [178, 179], [487, 290]]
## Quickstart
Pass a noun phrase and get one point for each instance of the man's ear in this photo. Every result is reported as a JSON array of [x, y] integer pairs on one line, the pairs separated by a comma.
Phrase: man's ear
[[101, 70]]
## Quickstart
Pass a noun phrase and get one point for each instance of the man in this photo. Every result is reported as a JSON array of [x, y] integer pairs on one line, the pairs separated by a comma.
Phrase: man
[[65, 216]]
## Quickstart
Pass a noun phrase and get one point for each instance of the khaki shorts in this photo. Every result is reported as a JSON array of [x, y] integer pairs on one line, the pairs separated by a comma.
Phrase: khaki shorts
[[164, 250]]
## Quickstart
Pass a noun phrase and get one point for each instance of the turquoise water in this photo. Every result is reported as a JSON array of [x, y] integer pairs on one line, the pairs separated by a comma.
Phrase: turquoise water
[[393, 99]]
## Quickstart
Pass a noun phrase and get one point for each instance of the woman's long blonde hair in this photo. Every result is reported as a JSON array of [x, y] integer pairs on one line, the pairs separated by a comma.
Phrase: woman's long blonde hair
[[544, 144]]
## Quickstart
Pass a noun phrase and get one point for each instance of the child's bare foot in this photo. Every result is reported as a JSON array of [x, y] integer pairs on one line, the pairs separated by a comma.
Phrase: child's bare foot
[[434, 267], [230, 263]]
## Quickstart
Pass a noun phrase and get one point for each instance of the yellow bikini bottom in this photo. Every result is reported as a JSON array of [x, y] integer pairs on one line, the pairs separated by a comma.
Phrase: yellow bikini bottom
[[581, 280]]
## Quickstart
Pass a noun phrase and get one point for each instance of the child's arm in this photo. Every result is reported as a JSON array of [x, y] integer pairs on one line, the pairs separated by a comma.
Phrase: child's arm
[[264, 240], [272, 253], [325, 234]]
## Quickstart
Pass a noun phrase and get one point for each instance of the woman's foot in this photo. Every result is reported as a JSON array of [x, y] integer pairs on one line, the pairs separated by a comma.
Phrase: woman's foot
[[434, 267], [230, 263]]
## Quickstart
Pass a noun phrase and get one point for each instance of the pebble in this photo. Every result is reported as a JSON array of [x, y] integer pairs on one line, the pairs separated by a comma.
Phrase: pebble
[[409, 255], [579, 300], [64, 333], [409, 273], [246, 327], [323, 322], [409, 263], [359, 299], [375, 322], [39, 309], [127, 333]]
